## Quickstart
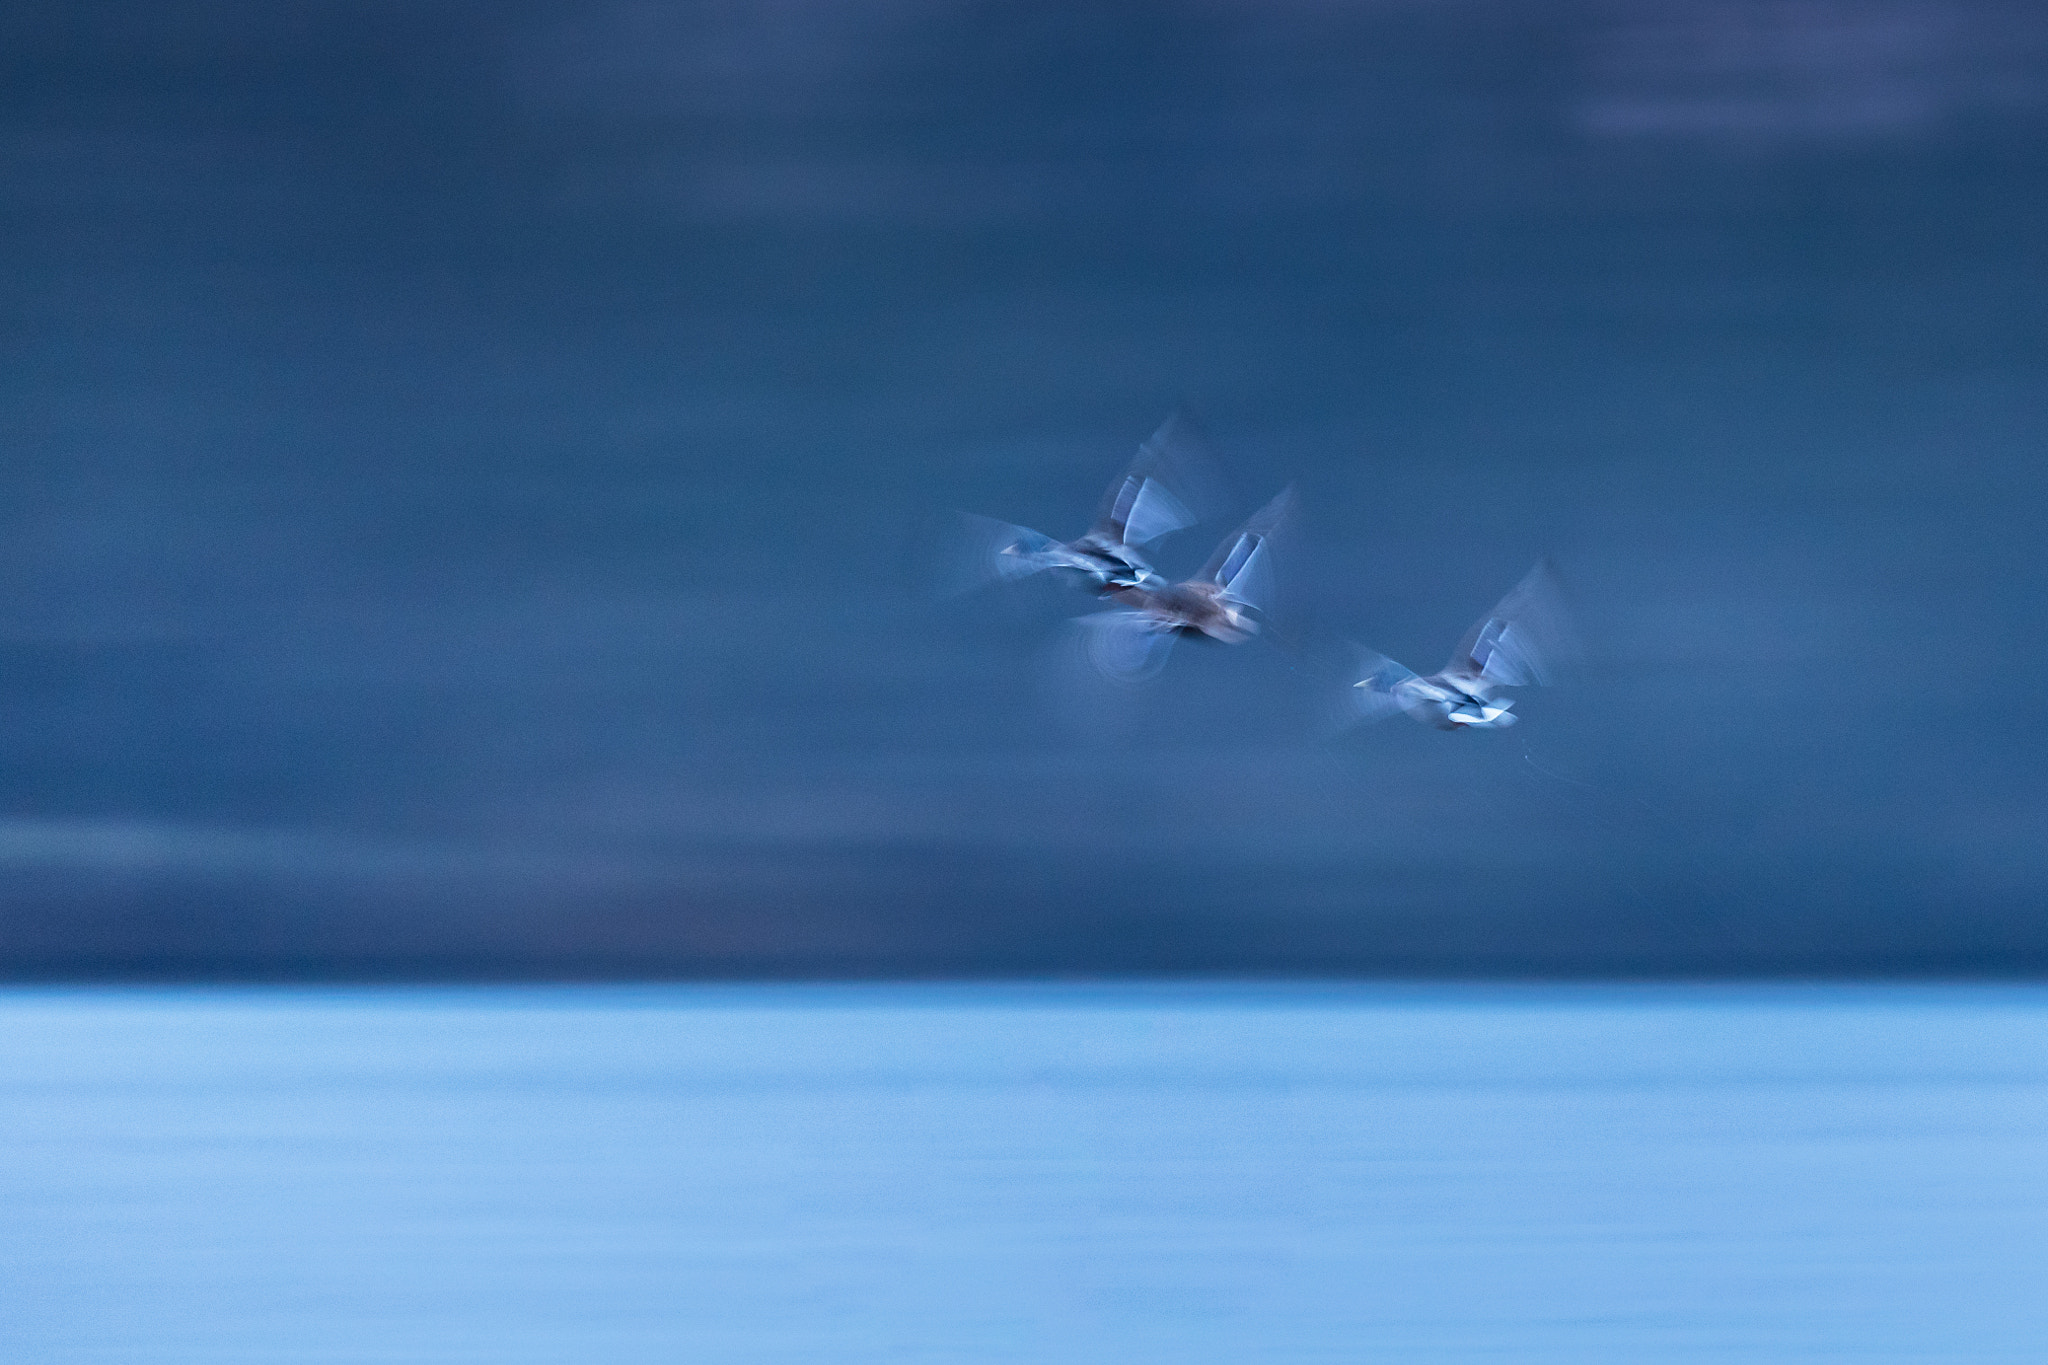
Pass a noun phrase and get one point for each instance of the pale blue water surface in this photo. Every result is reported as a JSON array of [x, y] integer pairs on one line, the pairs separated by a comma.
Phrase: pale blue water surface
[[1025, 1173]]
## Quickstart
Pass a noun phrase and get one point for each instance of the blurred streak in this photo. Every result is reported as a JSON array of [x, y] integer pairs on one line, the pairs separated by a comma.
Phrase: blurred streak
[[1807, 70], [164, 848]]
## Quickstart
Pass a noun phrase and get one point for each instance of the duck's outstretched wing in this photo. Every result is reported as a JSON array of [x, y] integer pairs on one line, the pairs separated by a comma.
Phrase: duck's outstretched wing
[[1527, 640], [1124, 646], [1243, 564], [1372, 696], [1143, 505], [968, 552]]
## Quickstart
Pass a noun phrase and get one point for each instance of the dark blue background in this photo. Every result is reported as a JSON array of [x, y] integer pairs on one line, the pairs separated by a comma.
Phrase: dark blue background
[[458, 467]]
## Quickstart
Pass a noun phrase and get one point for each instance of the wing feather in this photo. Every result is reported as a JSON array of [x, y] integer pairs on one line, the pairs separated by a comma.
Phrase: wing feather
[[1372, 696], [1527, 639], [1243, 564], [1125, 646], [1142, 505], [971, 551]]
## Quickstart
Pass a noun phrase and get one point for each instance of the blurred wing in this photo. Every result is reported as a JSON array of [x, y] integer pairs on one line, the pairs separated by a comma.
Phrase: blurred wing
[[1142, 506], [1527, 640], [1153, 511], [975, 551], [1372, 696], [1125, 646], [1249, 578], [1243, 563]]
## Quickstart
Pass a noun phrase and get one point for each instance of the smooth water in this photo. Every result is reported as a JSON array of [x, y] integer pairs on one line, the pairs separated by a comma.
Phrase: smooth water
[[1025, 1173]]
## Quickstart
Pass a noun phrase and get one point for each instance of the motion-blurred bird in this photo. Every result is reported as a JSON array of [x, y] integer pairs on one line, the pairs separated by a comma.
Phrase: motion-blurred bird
[[1139, 508], [1526, 640], [1223, 602]]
